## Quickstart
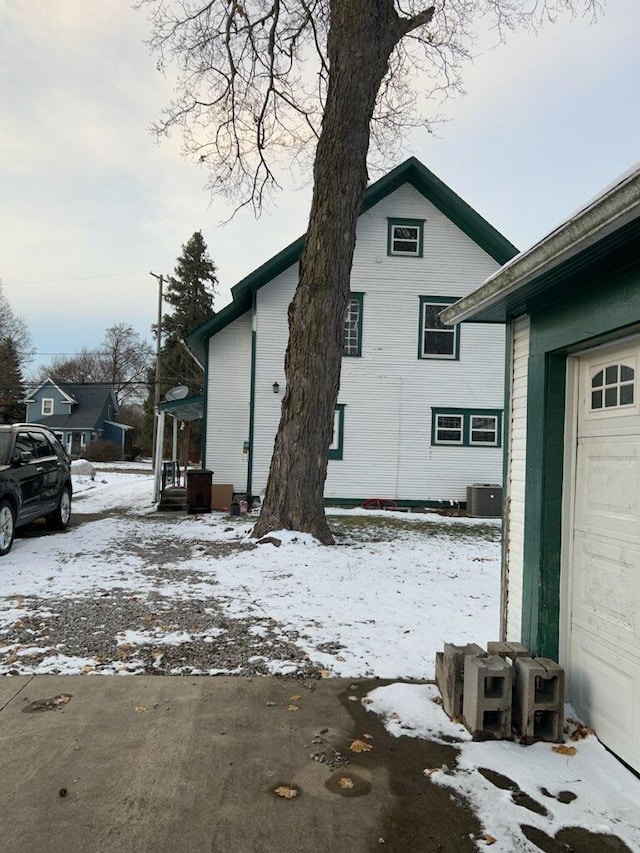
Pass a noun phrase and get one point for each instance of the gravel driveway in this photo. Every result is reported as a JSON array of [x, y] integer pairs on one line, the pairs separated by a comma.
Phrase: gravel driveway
[[145, 631], [130, 590]]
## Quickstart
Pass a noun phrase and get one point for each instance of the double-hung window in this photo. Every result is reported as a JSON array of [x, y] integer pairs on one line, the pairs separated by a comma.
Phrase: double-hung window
[[448, 429], [47, 406], [466, 427], [352, 341], [405, 237], [337, 444], [437, 340]]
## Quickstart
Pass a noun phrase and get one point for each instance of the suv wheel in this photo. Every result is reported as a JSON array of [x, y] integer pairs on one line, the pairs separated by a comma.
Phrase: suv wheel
[[7, 526], [59, 518]]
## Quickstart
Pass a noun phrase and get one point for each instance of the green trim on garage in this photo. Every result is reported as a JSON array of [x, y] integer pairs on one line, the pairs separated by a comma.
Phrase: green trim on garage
[[602, 307]]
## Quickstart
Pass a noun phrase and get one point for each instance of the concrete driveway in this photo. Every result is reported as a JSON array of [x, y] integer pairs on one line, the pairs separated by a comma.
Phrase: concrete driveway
[[92, 764]]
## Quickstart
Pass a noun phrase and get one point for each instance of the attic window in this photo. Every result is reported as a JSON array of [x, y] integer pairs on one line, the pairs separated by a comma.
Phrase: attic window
[[405, 237], [47, 406], [613, 387]]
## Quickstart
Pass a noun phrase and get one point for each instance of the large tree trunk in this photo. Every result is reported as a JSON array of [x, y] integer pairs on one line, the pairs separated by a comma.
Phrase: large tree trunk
[[362, 36]]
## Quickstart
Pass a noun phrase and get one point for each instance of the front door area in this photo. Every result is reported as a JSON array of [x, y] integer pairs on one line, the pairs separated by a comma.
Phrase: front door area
[[603, 589]]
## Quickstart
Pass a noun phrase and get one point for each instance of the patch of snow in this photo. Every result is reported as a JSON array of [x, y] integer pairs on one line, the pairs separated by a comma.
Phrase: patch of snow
[[607, 795]]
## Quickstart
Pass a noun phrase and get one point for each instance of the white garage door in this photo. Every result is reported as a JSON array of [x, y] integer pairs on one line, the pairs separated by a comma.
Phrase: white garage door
[[604, 591]]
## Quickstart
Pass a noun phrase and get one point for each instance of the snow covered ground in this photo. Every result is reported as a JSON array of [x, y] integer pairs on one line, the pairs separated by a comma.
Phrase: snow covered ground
[[379, 603], [144, 592]]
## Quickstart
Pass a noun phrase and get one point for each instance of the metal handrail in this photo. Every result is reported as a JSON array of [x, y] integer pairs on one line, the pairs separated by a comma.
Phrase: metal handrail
[[171, 475]]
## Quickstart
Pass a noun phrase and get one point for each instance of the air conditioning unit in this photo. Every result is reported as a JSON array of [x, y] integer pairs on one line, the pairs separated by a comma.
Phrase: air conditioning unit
[[484, 500]]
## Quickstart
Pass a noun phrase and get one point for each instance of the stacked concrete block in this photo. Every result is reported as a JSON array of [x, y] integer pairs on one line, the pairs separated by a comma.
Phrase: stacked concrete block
[[508, 651], [486, 707], [538, 700], [450, 666]]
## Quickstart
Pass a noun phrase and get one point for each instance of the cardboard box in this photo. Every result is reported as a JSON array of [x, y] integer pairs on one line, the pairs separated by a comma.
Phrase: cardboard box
[[221, 496]]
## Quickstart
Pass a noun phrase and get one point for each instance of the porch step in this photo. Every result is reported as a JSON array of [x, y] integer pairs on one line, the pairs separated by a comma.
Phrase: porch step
[[173, 500]]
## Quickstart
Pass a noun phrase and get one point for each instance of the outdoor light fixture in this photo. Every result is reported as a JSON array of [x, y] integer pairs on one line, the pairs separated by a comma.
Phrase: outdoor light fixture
[[276, 387]]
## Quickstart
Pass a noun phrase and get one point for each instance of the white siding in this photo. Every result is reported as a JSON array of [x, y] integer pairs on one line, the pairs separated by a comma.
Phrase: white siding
[[389, 392], [228, 390], [516, 476], [272, 333]]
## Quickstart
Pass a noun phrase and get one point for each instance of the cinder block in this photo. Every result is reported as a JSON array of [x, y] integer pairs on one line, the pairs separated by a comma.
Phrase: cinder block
[[509, 651], [538, 700], [439, 670], [488, 686], [450, 675]]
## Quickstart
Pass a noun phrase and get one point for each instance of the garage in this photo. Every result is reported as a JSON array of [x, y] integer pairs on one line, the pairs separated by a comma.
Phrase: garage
[[604, 563], [571, 555]]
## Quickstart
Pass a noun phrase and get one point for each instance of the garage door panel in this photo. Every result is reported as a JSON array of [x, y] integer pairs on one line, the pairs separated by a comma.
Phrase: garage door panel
[[606, 588], [609, 477], [603, 691], [604, 592]]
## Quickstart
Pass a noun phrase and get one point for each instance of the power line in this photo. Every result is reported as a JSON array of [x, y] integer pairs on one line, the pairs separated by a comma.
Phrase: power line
[[63, 280]]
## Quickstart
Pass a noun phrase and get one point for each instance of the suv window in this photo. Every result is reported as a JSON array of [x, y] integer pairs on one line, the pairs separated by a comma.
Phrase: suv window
[[4, 445], [59, 450], [23, 445], [41, 444]]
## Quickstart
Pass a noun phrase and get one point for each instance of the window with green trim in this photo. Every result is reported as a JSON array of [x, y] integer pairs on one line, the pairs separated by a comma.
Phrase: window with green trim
[[352, 342], [405, 237], [437, 340], [466, 427], [337, 444]]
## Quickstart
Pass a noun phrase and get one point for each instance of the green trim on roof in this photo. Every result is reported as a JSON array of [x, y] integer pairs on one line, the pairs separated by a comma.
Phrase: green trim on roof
[[448, 202], [412, 172], [215, 324]]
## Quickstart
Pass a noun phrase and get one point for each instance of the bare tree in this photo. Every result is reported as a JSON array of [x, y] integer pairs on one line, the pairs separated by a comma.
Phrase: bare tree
[[126, 357], [83, 366], [121, 361], [265, 79], [14, 328]]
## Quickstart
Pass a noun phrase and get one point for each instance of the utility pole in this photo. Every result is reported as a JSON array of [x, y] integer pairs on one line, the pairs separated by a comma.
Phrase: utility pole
[[160, 280]]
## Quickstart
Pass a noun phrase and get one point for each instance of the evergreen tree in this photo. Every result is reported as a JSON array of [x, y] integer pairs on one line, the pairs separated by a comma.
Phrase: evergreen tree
[[12, 388], [190, 291]]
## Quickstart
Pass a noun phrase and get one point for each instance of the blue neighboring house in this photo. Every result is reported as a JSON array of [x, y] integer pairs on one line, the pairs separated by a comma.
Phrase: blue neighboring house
[[78, 413]]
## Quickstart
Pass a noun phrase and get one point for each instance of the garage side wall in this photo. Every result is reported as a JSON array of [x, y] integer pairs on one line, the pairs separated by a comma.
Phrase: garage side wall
[[513, 556]]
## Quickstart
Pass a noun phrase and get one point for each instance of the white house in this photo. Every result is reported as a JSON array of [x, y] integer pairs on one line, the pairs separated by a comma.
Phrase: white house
[[571, 584], [419, 415]]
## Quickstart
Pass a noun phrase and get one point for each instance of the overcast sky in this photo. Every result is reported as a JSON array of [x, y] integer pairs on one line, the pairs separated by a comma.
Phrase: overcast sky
[[90, 204]]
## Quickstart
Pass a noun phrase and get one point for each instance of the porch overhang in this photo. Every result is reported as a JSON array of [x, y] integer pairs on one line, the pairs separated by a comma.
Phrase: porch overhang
[[188, 409]]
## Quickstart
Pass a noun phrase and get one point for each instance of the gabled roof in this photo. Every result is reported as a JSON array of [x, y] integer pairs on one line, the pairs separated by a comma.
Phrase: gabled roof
[[90, 398], [48, 381], [608, 221], [413, 172]]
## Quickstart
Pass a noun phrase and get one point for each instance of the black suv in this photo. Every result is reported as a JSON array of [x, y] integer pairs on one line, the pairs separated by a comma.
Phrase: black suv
[[35, 480]]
